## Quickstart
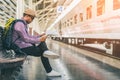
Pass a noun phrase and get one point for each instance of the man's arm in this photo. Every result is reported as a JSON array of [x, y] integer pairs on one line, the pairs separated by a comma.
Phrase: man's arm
[[22, 31]]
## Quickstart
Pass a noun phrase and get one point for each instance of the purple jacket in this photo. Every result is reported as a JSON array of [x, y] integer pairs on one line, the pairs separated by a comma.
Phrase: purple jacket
[[21, 36]]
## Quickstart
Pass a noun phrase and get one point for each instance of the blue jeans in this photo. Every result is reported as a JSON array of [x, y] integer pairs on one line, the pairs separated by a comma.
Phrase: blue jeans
[[38, 51]]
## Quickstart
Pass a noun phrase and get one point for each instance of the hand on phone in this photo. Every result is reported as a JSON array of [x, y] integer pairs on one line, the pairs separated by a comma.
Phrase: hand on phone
[[42, 34], [43, 38]]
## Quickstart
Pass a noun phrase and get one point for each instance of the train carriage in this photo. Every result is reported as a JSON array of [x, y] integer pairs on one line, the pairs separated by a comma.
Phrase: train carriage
[[93, 23]]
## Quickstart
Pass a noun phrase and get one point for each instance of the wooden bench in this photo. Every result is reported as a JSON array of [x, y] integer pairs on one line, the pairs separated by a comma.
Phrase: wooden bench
[[8, 59]]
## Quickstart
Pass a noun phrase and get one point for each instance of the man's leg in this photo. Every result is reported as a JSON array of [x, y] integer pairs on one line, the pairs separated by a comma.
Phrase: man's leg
[[39, 51], [43, 46], [50, 54], [46, 64], [36, 51], [47, 53]]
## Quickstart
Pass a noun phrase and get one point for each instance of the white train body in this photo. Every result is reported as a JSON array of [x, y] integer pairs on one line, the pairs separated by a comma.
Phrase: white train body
[[92, 23], [92, 19]]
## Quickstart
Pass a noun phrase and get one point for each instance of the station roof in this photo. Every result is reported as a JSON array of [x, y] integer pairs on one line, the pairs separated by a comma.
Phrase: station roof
[[47, 10], [7, 9]]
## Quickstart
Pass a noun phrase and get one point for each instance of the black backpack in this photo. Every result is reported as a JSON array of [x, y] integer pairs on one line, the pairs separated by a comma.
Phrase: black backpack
[[7, 36]]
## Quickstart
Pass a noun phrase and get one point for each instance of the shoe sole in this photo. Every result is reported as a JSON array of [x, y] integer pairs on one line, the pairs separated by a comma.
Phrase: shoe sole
[[54, 75], [51, 56]]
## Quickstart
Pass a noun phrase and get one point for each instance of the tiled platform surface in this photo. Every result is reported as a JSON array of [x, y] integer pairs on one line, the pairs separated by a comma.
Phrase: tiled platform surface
[[74, 64]]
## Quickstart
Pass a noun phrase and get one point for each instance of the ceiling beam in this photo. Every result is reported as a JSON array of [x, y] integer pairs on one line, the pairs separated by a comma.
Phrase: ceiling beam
[[47, 13], [38, 3]]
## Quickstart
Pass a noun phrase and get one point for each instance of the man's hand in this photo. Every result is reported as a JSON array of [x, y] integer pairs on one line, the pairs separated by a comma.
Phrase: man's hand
[[42, 34], [43, 38]]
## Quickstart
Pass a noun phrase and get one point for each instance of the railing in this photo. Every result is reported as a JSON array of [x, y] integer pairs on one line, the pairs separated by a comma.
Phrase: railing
[[110, 47]]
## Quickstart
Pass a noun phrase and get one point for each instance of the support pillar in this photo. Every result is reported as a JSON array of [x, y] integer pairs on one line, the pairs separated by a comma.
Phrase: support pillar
[[20, 8]]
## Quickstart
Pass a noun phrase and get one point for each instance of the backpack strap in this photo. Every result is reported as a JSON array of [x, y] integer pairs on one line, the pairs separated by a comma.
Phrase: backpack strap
[[18, 20], [15, 21], [17, 50]]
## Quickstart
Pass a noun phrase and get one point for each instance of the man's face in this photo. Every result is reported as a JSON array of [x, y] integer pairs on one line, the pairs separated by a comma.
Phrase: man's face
[[29, 19]]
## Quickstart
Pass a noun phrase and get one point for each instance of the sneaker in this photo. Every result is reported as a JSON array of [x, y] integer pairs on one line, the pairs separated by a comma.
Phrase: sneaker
[[50, 54], [53, 74]]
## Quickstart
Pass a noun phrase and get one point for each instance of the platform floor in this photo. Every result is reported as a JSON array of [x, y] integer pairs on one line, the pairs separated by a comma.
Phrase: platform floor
[[74, 64]]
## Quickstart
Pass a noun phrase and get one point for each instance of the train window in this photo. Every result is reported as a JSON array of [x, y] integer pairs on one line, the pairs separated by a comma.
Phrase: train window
[[75, 19], [65, 24], [71, 21], [68, 22], [116, 4], [81, 17], [89, 12], [100, 7]]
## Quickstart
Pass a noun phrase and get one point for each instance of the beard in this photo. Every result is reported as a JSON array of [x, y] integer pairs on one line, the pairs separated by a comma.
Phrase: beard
[[28, 22]]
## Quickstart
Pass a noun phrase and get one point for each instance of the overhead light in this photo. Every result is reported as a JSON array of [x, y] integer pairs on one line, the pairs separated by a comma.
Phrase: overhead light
[[51, 9], [55, 1]]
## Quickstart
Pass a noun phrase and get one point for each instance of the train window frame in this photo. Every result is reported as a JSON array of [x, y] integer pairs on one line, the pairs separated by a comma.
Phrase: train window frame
[[71, 21], [89, 12], [65, 24], [116, 4], [68, 23], [100, 7], [75, 18], [81, 17]]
